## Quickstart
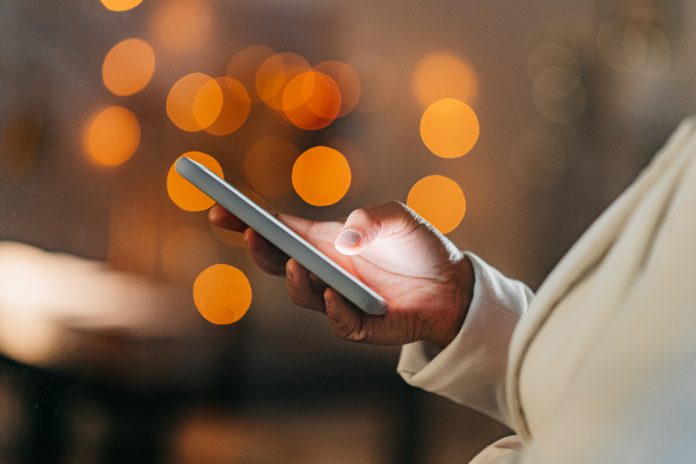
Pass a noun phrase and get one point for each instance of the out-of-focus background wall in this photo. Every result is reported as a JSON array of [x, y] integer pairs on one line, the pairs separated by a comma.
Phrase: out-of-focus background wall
[[104, 356]]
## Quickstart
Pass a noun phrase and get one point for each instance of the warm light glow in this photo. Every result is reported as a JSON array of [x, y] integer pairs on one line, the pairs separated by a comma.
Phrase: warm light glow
[[449, 128], [441, 75], [439, 200], [268, 165], [185, 252], [182, 26], [379, 82], [275, 73], [236, 105], [113, 136], [120, 5], [185, 194], [321, 176], [348, 83], [207, 104], [311, 100], [194, 102], [222, 294], [244, 64], [128, 67]]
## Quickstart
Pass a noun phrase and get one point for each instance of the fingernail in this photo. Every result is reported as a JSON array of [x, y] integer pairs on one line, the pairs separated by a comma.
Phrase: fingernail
[[348, 238]]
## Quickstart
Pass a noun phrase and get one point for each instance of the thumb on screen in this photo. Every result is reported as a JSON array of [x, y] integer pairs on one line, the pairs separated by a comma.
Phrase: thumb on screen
[[364, 225]]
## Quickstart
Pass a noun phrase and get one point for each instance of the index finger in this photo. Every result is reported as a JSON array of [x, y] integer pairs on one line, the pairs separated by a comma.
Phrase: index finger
[[220, 217]]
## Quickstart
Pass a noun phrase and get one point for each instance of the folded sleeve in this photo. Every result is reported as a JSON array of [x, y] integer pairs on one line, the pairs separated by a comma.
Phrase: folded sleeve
[[471, 369]]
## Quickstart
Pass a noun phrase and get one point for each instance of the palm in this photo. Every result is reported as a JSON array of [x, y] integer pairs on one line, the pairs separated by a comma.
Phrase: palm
[[410, 268]]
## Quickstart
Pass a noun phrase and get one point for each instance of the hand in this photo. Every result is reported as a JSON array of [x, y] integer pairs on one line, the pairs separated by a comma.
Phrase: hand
[[426, 281]]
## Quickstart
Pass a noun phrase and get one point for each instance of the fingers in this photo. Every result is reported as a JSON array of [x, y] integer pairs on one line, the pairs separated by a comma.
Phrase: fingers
[[346, 321], [304, 289], [364, 225], [266, 256], [220, 217]]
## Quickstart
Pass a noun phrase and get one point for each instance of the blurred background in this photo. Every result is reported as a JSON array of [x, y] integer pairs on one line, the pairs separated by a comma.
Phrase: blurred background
[[509, 125]]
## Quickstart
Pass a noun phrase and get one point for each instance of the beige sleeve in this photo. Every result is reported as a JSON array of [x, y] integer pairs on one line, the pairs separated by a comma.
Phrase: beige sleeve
[[471, 369]]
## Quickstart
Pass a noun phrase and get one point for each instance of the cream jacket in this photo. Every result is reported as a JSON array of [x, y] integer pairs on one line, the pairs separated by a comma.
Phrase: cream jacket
[[600, 366]]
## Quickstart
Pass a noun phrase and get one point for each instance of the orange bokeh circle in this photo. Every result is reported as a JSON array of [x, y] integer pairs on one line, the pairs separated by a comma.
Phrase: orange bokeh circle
[[183, 193], [311, 100], [112, 136], [222, 294]]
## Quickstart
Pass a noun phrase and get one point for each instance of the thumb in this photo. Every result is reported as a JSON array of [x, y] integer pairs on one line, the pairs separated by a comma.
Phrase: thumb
[[363, 226]]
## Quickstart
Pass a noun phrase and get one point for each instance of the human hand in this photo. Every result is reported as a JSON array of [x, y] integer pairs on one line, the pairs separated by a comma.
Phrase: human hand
[[426, 281]]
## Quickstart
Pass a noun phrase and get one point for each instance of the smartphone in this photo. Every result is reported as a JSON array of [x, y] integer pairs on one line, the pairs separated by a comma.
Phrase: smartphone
[[282, 236]]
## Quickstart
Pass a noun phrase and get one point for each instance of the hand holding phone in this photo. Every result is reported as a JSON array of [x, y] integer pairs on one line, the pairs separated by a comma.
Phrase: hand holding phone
[[425, 279]]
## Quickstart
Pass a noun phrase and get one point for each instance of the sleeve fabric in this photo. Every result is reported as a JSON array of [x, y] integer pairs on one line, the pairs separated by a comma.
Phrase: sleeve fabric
[[471, 369]]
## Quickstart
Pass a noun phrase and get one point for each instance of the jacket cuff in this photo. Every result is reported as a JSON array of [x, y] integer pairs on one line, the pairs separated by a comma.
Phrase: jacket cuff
[[471, 369]]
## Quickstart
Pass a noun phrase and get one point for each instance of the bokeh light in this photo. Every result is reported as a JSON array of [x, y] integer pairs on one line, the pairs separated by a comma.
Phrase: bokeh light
[[185, 251], [128, 67], [275, 73], [556, 82], [236, 106], [244, 64], [120, 5], [222, 294], [278, 152], [194, 102], [441, 75], [182, 26], [311, 100], [628, 46], [550, 54], [321, 176], [183, 193], [449, 128], [439, 200], [112, 136], [348, 83], [378, 82]]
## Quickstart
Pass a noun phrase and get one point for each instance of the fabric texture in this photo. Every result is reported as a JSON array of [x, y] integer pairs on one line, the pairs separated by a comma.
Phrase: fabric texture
[[601, 367]]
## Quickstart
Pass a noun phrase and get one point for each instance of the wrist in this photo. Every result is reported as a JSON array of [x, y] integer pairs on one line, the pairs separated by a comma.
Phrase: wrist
[[463, 292]]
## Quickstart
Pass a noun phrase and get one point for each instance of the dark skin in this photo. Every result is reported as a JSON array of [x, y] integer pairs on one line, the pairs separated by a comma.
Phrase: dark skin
[[427, 282]]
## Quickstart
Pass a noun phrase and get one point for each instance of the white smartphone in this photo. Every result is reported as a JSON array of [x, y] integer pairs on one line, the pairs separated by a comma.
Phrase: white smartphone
[[282, 236]]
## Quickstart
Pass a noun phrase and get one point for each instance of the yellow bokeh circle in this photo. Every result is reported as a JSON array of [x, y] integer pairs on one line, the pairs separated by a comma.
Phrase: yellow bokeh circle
[[439, 200], [321, 176], [112, 136], [449, 128], [120, 5], [128, 67], [183, 193], [222, 294]]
